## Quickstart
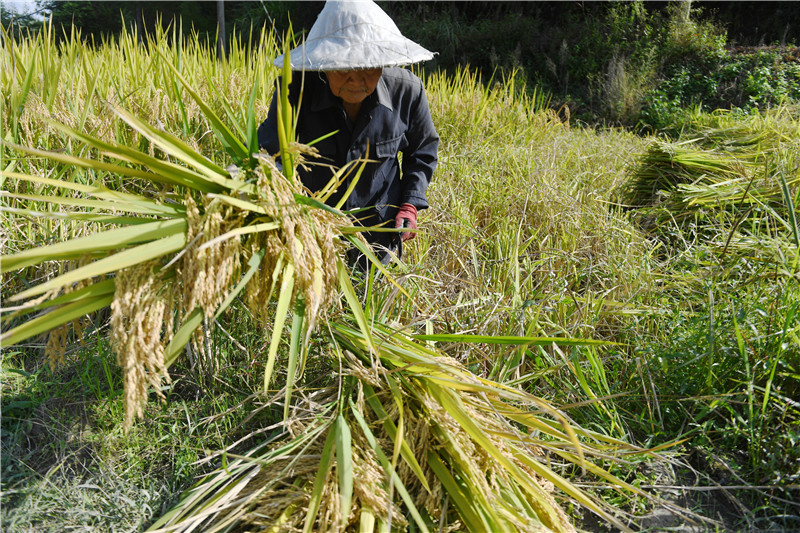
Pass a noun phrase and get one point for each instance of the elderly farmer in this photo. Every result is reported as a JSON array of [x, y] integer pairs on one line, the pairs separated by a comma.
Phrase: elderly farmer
[[352, 85]]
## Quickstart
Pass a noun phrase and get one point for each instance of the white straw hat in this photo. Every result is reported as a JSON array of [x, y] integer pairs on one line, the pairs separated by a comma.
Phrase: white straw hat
[[354, 34]]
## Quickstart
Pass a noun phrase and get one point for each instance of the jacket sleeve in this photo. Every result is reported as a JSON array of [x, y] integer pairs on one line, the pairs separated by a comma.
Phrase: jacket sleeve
[[421, 155], [268, 130]]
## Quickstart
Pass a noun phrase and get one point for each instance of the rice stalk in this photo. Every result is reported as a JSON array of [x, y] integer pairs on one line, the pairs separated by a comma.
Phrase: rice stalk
[[462, 446], [201, 257], [729, 185]]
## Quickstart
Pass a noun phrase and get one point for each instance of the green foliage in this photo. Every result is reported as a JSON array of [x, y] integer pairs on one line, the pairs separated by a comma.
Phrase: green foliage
[[99, 21], [628, 63], [747, 79], [689, 37], [735, 356], [634, 64]]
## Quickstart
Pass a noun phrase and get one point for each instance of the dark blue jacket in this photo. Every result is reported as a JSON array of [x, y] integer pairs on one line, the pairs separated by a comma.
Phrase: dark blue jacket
[[394, 119]]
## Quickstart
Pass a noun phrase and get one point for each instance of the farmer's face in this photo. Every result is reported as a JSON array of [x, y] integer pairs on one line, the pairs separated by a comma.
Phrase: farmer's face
[[353, 86]]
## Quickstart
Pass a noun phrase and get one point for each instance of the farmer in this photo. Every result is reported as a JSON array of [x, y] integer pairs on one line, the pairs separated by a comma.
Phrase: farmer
[[351, 84]]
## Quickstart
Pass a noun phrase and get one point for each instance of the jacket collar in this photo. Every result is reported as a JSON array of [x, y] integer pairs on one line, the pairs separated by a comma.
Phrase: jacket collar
[[383, 94]]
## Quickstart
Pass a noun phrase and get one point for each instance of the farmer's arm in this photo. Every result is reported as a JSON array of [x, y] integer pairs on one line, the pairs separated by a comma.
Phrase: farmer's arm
[[420, 156]]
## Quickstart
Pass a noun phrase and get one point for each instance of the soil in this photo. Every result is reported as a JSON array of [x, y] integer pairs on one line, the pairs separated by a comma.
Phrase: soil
[[693, 499]]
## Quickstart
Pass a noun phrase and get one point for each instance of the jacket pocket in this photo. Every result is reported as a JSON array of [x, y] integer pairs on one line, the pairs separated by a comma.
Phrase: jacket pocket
[[388, 148]]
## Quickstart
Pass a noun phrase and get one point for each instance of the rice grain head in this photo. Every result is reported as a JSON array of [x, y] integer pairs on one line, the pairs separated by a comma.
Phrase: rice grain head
[[307, 238], [141, 323], [208, 271], [56, 347], [58, 338]]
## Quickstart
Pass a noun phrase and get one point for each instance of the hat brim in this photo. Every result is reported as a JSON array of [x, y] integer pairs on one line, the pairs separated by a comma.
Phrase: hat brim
[[341, 54]]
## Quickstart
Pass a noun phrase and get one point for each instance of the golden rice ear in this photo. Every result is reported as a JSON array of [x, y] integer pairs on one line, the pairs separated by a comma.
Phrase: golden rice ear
[[141, 314], [56, 346], [58, 338], [209, 264]]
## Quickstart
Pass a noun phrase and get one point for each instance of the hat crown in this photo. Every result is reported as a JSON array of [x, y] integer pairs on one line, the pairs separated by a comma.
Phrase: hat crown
[[354, 34], [352, 19]]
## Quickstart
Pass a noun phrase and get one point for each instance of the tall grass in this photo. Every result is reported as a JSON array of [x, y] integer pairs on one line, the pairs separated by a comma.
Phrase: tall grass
[[524, 239], [722, 202]]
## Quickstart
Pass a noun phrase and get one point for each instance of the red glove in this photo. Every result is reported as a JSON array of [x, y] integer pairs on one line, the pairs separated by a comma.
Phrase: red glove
[[406, 218]]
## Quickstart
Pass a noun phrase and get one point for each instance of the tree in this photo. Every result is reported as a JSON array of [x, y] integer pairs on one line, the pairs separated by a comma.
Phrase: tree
[[222, 48], [97, 20]]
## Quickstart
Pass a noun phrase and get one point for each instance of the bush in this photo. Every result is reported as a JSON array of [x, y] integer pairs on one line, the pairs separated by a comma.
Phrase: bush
[[746, 78]]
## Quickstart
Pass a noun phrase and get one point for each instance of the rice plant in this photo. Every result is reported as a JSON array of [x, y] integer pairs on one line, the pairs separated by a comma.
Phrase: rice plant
[[730, 184], [167, 238], [735, 166]]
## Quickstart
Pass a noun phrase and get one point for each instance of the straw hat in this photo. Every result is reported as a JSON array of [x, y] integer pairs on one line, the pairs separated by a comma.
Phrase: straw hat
[[354, 34]]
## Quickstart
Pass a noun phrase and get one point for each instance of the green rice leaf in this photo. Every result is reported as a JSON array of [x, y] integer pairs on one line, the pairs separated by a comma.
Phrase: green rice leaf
[[56, 317], [302, 199], [251, 125], [231, 117], [462, 498], [353, 181], [238, 232], [389, 427], [344, 467], [397, 395], [355, 305], [118, 261], [22, 95], [238, 203], [105, 241], [101, 205], [95, 290], [337, 179], [325, 464], [183, 336], [232, 145], [142, 204], [295, 347], [180, 150], [373, 259], [787, 197], [162, 171], [286, 125], [281, 312], [253, 263], [165, 173], [512, 340], [83, 217], [568, 488], [92, 82]]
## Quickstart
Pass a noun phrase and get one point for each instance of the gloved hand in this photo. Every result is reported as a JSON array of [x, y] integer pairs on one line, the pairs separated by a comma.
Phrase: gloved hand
[[407, 213]]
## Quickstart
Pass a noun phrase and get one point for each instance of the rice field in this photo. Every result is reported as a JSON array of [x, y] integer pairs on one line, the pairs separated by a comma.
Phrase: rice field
[[592, 328]]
